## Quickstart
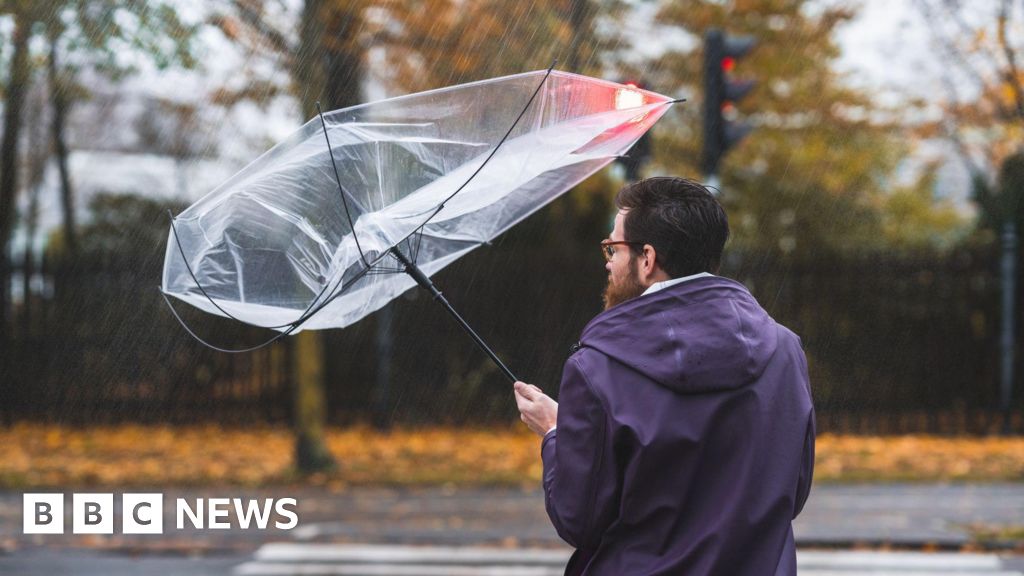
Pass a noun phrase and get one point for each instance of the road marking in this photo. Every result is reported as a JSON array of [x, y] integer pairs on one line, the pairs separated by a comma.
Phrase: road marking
[[256, 569], [368, 554], [290, 559]]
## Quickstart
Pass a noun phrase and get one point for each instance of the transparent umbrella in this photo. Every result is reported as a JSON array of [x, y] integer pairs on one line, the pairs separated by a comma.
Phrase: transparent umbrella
[[363, 203]]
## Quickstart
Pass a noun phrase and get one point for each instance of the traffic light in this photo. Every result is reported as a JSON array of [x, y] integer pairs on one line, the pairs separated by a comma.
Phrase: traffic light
[[721, 93]]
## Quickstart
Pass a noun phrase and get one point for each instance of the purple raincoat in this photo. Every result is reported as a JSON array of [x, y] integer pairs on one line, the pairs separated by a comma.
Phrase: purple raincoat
[[685, 438]]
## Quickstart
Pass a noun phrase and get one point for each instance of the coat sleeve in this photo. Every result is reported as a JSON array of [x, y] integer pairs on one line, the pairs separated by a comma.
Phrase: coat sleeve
[[803, 489], [580, 482]]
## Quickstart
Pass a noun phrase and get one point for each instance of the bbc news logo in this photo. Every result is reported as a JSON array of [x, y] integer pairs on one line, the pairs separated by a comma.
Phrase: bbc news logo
[[144, 513]]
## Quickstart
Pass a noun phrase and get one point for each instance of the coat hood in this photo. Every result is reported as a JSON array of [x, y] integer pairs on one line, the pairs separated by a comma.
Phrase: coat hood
[[702, 335]]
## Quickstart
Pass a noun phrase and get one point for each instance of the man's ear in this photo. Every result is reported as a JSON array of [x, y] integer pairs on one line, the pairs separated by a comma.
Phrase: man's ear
[[648, 262]]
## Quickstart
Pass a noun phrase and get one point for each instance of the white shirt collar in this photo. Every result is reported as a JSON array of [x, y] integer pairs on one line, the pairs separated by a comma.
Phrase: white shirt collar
[[662, 285]]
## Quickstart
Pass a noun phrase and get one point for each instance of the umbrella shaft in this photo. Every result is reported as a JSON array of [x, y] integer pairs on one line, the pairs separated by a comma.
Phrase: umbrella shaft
[[424, 281]]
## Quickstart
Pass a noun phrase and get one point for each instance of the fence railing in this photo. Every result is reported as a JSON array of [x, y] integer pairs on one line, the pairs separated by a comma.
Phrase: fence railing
[[896, 344]]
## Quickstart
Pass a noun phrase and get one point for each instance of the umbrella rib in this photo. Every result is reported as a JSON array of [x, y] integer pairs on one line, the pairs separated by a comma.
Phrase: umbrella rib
[[337, 178], [197, 338], [417, 244]]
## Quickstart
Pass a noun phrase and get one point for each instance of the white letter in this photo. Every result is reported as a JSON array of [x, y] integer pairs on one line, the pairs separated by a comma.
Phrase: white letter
[[184, 508], [216, 511], [280, 507], [42, 513], [142, 513], [92, 514], [253, 509]]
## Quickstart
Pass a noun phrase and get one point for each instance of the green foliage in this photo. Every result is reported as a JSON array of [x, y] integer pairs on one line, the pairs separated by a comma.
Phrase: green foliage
[[108, 30], [912, 218]]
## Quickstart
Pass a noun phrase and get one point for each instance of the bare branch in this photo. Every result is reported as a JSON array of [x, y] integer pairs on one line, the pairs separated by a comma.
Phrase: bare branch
[[252, 15], [953, 53], [952, 130]]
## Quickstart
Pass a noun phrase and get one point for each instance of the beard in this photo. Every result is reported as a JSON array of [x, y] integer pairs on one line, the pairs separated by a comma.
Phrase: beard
[[616, 293]]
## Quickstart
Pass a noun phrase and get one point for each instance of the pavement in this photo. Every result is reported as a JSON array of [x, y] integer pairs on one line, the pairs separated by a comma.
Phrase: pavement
[[860, 529]]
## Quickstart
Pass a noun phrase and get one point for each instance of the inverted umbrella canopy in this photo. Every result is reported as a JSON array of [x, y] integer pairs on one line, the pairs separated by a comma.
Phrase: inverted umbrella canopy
[[312, 233]]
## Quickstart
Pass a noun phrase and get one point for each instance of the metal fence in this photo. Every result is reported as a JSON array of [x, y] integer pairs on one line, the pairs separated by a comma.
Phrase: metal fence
[[896, 343]]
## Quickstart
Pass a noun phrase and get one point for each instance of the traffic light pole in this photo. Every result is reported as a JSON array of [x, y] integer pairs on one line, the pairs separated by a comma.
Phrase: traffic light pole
[[1008, 335]]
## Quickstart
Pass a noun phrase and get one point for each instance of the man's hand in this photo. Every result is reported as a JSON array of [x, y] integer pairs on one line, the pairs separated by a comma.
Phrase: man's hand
[[536, 408]]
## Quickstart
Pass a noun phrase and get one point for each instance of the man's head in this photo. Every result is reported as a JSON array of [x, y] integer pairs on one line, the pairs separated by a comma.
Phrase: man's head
[[665, 228]]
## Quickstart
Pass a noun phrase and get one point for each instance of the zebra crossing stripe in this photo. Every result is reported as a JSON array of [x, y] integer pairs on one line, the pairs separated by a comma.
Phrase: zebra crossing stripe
[[286, 559]]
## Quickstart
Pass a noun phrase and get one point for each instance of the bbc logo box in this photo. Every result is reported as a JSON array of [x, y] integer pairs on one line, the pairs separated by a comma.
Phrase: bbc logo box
[[92, 513], [43, 514]]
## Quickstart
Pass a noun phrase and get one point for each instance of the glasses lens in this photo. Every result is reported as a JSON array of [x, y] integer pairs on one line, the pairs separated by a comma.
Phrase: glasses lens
[[609, 252]]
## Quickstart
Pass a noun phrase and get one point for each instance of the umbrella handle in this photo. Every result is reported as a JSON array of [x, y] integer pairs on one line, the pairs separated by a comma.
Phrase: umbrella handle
[[424, 281]]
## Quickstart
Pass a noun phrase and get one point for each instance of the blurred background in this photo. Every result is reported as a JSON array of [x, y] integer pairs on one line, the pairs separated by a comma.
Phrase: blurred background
[[872, 175]]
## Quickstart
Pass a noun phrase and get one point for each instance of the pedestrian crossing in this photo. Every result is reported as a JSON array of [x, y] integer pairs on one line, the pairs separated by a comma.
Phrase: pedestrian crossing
[[288, 559]]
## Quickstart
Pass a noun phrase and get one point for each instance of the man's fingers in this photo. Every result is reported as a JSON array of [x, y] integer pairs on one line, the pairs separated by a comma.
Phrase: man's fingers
[[524, 390], [522, 402]]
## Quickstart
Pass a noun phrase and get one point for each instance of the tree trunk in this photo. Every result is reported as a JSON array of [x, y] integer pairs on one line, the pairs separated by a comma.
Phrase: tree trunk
[[328, 67], [578, 17], [311, 454], [9, 160], [38, 156], [329, 64], [307, 74], [342, 55], [58, 92]]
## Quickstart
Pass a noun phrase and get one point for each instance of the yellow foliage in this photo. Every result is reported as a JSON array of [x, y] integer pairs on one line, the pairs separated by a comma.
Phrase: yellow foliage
[[919, 458], [37, 455]]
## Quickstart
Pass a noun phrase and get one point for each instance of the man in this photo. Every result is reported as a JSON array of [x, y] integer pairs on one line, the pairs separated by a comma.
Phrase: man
[[684, 438]]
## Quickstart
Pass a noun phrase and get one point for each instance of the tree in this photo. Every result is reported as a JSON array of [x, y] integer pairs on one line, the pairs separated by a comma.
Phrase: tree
[[911, 217], [423, 44], [983, 104], [326, 64], [175, 129], [815, 171], [96, 31], [38, 154], [436, 43], [329, 63], [9, 148], [59, 82]]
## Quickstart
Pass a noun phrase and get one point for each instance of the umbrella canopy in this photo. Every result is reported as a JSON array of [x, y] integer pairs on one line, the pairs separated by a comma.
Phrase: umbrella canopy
[[310, 225]]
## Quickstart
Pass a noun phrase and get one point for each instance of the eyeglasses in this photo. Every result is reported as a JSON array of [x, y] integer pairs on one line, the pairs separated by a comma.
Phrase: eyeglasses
[[609, 252]]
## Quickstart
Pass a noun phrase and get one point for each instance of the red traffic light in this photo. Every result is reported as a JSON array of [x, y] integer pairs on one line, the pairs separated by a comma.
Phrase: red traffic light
[[728, 63]]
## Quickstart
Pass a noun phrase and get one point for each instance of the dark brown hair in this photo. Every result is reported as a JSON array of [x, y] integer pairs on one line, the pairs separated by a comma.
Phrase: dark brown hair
[[680, 218]]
